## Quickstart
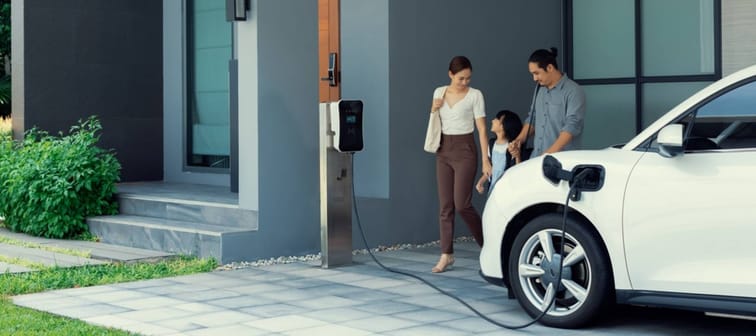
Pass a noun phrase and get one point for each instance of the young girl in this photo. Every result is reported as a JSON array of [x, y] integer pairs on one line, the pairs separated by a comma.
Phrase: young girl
[[507, 125]]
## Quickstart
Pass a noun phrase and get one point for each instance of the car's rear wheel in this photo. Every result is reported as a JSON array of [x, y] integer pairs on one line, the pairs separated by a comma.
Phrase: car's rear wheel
[[586, 284]]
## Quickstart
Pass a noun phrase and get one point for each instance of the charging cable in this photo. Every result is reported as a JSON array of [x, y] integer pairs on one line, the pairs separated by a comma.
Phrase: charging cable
[[577, 178]]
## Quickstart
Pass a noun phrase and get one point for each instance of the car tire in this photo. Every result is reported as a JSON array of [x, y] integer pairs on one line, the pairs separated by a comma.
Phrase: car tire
[[587, 283]]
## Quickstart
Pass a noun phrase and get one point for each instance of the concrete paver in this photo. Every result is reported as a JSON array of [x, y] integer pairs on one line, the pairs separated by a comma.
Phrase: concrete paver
[[360, 299]]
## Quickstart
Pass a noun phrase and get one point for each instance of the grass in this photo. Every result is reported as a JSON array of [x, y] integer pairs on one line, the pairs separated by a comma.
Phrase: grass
[[23, 321]]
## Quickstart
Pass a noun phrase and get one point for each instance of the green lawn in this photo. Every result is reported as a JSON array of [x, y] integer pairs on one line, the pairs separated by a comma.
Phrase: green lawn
[[16, 320]]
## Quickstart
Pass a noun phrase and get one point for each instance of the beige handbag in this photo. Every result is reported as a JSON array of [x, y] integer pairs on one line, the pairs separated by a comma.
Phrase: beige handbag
[[433, 134]]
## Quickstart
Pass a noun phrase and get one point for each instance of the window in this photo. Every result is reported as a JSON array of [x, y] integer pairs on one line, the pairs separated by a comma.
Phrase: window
[[646, 56], [728, 121], [209, 49]]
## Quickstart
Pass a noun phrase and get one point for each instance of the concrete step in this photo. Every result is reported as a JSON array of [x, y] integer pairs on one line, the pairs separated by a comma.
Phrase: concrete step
[[224, 243], [44, 257], [187, 210]]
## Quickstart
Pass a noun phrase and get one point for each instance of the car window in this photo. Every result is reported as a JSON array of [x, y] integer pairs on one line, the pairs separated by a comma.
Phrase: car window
[[726, 122]]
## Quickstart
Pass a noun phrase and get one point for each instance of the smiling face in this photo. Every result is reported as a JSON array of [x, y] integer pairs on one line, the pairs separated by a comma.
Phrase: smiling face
[[460, 81], [548, 77]]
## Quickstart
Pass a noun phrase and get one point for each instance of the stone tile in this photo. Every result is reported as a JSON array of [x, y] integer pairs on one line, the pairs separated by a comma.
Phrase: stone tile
[[326, 302], [379, 324], [118, 295], [198, 307], [387, 307], [111, 321], [273, 310], [329, 329], [79, 312], [430, 316], [258, 288], [231, 330], [149, 302], [149, 329], [204, 295], [336, 315], [473, 325], [289, 295], [53, 304], [379, 283], [155, 314], [285, 323], [427, 330], [222, 318], [241, 301]]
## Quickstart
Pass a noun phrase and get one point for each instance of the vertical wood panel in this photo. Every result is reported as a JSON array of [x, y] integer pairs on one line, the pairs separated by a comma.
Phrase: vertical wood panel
[[328, 42]]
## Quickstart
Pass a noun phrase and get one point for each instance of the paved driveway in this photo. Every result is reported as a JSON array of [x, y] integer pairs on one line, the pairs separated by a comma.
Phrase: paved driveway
[[361, 299]]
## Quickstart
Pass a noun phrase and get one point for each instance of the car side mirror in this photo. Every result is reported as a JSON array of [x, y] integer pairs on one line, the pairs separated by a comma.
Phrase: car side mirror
[[670, 140]]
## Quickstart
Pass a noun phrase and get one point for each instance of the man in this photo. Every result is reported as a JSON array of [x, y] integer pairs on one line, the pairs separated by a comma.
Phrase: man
[[559, 108]]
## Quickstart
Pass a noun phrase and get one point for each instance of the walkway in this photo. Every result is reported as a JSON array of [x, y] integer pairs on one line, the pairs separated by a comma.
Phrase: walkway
[[361, 299]]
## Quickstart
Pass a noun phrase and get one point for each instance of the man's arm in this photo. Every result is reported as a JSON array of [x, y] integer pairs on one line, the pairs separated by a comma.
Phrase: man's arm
[[563, 139]]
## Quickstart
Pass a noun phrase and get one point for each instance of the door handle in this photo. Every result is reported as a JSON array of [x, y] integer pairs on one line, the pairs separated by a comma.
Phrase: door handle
[[332, 71]]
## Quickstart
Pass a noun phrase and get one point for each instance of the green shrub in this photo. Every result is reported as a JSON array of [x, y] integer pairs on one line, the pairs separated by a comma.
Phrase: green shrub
[[49, 184]]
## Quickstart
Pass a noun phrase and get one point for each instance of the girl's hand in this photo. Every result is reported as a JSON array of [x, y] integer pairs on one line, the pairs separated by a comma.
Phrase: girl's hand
[[437, 103], [479, 187]]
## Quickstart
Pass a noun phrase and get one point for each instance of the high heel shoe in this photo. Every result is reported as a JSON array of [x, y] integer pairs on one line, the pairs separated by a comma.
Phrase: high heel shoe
[[442, 266]]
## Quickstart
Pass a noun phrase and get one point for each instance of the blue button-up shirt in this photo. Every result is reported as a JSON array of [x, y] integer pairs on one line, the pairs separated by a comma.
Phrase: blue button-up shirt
[[559, 109]]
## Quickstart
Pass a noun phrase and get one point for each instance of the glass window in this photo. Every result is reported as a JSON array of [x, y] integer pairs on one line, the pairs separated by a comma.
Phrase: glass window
[[603, 35], [677, 37], [209, 49], [609, 115], [659, 98]]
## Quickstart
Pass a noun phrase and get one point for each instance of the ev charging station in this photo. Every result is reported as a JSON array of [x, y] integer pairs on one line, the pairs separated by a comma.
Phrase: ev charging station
[[340, 129]]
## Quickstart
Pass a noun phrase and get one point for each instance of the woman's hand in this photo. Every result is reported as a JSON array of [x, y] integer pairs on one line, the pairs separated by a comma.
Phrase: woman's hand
[[479, 187], [437, 103], [487, 167]]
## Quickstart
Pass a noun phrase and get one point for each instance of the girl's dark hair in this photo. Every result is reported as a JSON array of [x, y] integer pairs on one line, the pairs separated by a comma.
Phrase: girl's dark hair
[[544, 57], [512, 124], [459, 63]]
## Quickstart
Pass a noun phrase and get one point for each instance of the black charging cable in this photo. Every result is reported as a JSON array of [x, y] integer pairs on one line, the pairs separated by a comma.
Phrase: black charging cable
[[580, 176]]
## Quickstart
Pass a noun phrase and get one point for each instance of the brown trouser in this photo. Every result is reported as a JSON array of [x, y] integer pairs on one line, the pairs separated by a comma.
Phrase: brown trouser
[[456, 166]]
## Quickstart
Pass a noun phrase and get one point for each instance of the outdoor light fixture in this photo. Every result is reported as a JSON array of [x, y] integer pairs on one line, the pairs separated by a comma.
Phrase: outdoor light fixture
[[236, 10]]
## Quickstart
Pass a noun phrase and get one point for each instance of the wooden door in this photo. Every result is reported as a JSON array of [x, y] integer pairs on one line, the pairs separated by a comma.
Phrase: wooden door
[[328, 43]]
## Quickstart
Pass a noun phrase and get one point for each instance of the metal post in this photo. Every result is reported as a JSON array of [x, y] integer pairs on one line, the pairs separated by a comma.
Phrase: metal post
[[335, 197]]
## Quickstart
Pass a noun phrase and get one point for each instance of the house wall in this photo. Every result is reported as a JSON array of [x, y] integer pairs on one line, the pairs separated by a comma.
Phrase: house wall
[[394, 54], [80, 58], [738, 35]]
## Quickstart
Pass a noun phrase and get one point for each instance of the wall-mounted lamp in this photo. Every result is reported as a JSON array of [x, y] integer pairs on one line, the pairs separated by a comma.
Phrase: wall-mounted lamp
[[236, 10]]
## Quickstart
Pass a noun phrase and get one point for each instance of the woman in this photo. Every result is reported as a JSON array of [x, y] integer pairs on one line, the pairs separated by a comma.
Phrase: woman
[[462, 109]]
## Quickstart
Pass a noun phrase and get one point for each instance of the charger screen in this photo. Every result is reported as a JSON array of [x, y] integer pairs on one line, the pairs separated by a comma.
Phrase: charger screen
[[351, 119]]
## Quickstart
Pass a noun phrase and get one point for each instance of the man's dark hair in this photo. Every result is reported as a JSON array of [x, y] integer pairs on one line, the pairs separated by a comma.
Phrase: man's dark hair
[[544, 57], [459, 63]]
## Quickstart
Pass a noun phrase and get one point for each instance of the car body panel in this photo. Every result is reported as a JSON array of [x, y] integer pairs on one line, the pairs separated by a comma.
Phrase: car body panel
[[603, 207], [690, 222]]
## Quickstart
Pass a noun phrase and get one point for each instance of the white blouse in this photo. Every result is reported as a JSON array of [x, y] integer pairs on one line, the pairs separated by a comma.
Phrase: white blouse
[[460, 119]]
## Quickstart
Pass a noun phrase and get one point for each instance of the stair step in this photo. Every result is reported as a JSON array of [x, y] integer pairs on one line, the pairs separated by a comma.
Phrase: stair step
[[170, 235], [216, 213]]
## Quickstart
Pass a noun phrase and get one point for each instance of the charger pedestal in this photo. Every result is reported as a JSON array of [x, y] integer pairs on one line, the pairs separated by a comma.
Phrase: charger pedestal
[[335, 196]]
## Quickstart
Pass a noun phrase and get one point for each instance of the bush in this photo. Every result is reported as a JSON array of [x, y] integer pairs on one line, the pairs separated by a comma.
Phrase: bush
[[49, 185]]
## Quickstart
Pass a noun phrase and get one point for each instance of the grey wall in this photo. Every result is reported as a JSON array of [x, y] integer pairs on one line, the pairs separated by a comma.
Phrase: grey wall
[[104, 58], [423, 35], [287, 124]]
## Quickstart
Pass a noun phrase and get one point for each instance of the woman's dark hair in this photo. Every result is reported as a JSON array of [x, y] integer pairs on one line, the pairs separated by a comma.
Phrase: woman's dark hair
[[459, 63], [512, 124], [544, 57]]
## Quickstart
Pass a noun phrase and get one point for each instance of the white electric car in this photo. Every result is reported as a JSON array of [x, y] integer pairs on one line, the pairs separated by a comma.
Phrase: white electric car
[[668, 219]]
